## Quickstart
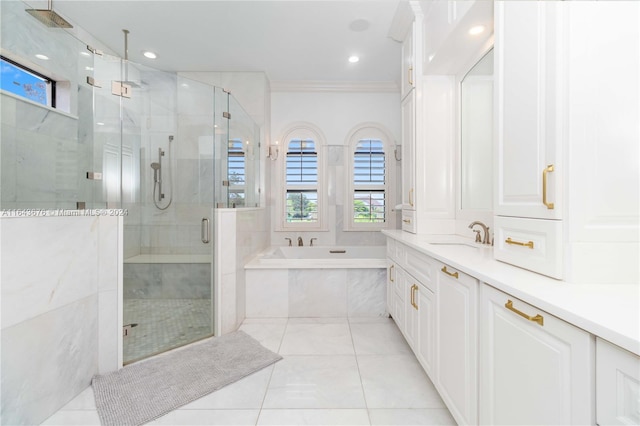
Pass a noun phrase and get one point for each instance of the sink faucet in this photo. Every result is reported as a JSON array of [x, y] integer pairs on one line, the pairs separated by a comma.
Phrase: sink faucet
[[300, 243], [485, 229], [312, 240], [288, 239]]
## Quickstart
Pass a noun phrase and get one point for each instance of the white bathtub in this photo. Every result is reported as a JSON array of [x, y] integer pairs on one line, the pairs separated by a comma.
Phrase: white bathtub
[[339, 282], [322, 257]]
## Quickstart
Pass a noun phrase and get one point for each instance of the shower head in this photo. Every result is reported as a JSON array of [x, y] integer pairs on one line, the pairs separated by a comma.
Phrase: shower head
[[49, 18], [155, 167]]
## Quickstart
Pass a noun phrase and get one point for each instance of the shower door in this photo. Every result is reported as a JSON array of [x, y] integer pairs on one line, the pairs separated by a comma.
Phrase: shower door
[[158, 166]]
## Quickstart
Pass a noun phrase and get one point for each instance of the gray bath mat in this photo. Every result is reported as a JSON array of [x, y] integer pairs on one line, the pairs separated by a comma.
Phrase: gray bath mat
[[141, 392]]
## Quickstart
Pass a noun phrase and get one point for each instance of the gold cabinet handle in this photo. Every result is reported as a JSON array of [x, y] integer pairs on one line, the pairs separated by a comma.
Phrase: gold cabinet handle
[[548, 169], [406, 220], [390, 272], [518, 243], [538, 318], [411, 197], [410, 72], [451, 274], [413, 297]]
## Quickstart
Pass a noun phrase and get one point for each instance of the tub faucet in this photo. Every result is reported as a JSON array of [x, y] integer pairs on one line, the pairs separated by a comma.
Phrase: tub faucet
[[300, 243], [485, 229]]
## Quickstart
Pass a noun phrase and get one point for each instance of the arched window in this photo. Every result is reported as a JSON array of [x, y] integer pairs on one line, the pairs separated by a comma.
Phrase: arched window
[[369, 200], [303, 188]]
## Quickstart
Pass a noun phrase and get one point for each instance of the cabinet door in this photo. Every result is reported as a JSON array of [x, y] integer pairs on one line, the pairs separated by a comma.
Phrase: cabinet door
[[408, 152], [534, 370], [408, 59], [411, 310], [391, 279], [426, 329], [457, 347], [529, 90], [617, 385]]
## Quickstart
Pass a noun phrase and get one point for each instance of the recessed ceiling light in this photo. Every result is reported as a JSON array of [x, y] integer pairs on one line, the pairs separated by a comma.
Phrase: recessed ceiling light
[[43, 57], [150, 55], [353, 59], [99, 123], [359, 25], [478, 29]]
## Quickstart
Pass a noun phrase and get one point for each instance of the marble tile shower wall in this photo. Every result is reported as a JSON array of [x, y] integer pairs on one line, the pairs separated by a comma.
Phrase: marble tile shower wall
[[45, 152], [60, 310]]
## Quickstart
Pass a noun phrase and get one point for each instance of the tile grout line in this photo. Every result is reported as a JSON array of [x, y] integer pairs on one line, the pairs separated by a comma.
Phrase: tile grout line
[[266, 390], [355, 353]]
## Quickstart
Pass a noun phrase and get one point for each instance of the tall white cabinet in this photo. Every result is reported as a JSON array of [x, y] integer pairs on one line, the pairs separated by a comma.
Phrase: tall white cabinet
[[568, 164]]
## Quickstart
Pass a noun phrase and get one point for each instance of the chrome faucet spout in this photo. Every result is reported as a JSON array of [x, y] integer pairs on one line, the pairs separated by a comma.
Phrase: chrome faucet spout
[[485, 229], [300, 243]]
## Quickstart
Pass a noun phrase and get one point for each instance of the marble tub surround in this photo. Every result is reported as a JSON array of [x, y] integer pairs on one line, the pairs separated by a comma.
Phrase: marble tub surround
[[335, 371], [610, 311], [295, 293], [61, 322]]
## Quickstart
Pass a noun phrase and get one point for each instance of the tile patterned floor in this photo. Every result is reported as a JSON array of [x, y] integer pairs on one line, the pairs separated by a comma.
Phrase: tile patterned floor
[[163, 324], [334, 372]]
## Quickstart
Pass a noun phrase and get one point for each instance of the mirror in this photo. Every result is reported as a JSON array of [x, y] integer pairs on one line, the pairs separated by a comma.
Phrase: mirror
[[476, 136]]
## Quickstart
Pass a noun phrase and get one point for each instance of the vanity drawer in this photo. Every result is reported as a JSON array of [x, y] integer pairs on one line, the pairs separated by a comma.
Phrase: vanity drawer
[[408, 221], [533, 244], [421, 267]]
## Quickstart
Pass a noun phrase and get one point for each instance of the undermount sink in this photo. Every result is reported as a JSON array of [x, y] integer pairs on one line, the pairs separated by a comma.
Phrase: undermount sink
[[453, 243]]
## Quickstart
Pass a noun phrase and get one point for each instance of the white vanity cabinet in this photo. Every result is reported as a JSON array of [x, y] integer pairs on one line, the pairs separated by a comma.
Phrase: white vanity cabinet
[[534, 367], [529, 133], [617, 385], [457, 342], [567, 191], [408, 166]]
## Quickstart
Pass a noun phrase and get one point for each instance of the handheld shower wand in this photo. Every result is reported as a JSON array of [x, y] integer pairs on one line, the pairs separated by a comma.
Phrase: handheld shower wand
[[157, 179], [156, 168]]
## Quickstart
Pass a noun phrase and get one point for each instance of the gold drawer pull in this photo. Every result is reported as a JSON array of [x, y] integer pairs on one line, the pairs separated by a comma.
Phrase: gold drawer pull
[[538, 318], [451, 274], [406, 220], [410, 72], [548, 169], [390, 272], [411, 197], [413, 297], [518, 243]]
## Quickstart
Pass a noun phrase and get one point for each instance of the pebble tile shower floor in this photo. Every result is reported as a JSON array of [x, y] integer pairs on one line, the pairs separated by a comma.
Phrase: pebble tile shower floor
[[163, 324]]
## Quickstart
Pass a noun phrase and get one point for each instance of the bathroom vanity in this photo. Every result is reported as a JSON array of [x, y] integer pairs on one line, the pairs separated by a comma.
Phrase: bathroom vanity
[[504, 345]]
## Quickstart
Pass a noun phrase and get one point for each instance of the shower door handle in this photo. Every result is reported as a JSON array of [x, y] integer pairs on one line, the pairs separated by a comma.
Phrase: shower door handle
[[204, 230]]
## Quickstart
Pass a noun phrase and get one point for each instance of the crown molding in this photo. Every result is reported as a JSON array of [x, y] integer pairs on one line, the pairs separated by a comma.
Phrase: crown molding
[[334, 86]]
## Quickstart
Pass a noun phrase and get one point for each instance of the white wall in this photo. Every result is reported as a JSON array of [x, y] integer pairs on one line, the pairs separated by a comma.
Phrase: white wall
[[335, 114], [61, 284]]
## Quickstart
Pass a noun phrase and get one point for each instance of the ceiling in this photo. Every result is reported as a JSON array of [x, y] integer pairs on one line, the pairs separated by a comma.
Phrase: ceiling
[[289, 40]]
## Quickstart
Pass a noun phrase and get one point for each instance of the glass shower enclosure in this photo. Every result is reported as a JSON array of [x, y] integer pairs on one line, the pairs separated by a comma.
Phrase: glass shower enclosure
[[166, 149]]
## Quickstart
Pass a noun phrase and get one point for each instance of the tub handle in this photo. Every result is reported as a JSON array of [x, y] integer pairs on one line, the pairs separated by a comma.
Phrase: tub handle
[[204, 230]]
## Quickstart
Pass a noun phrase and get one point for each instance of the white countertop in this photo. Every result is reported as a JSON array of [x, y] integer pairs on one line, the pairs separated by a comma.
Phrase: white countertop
[[609, 311]]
